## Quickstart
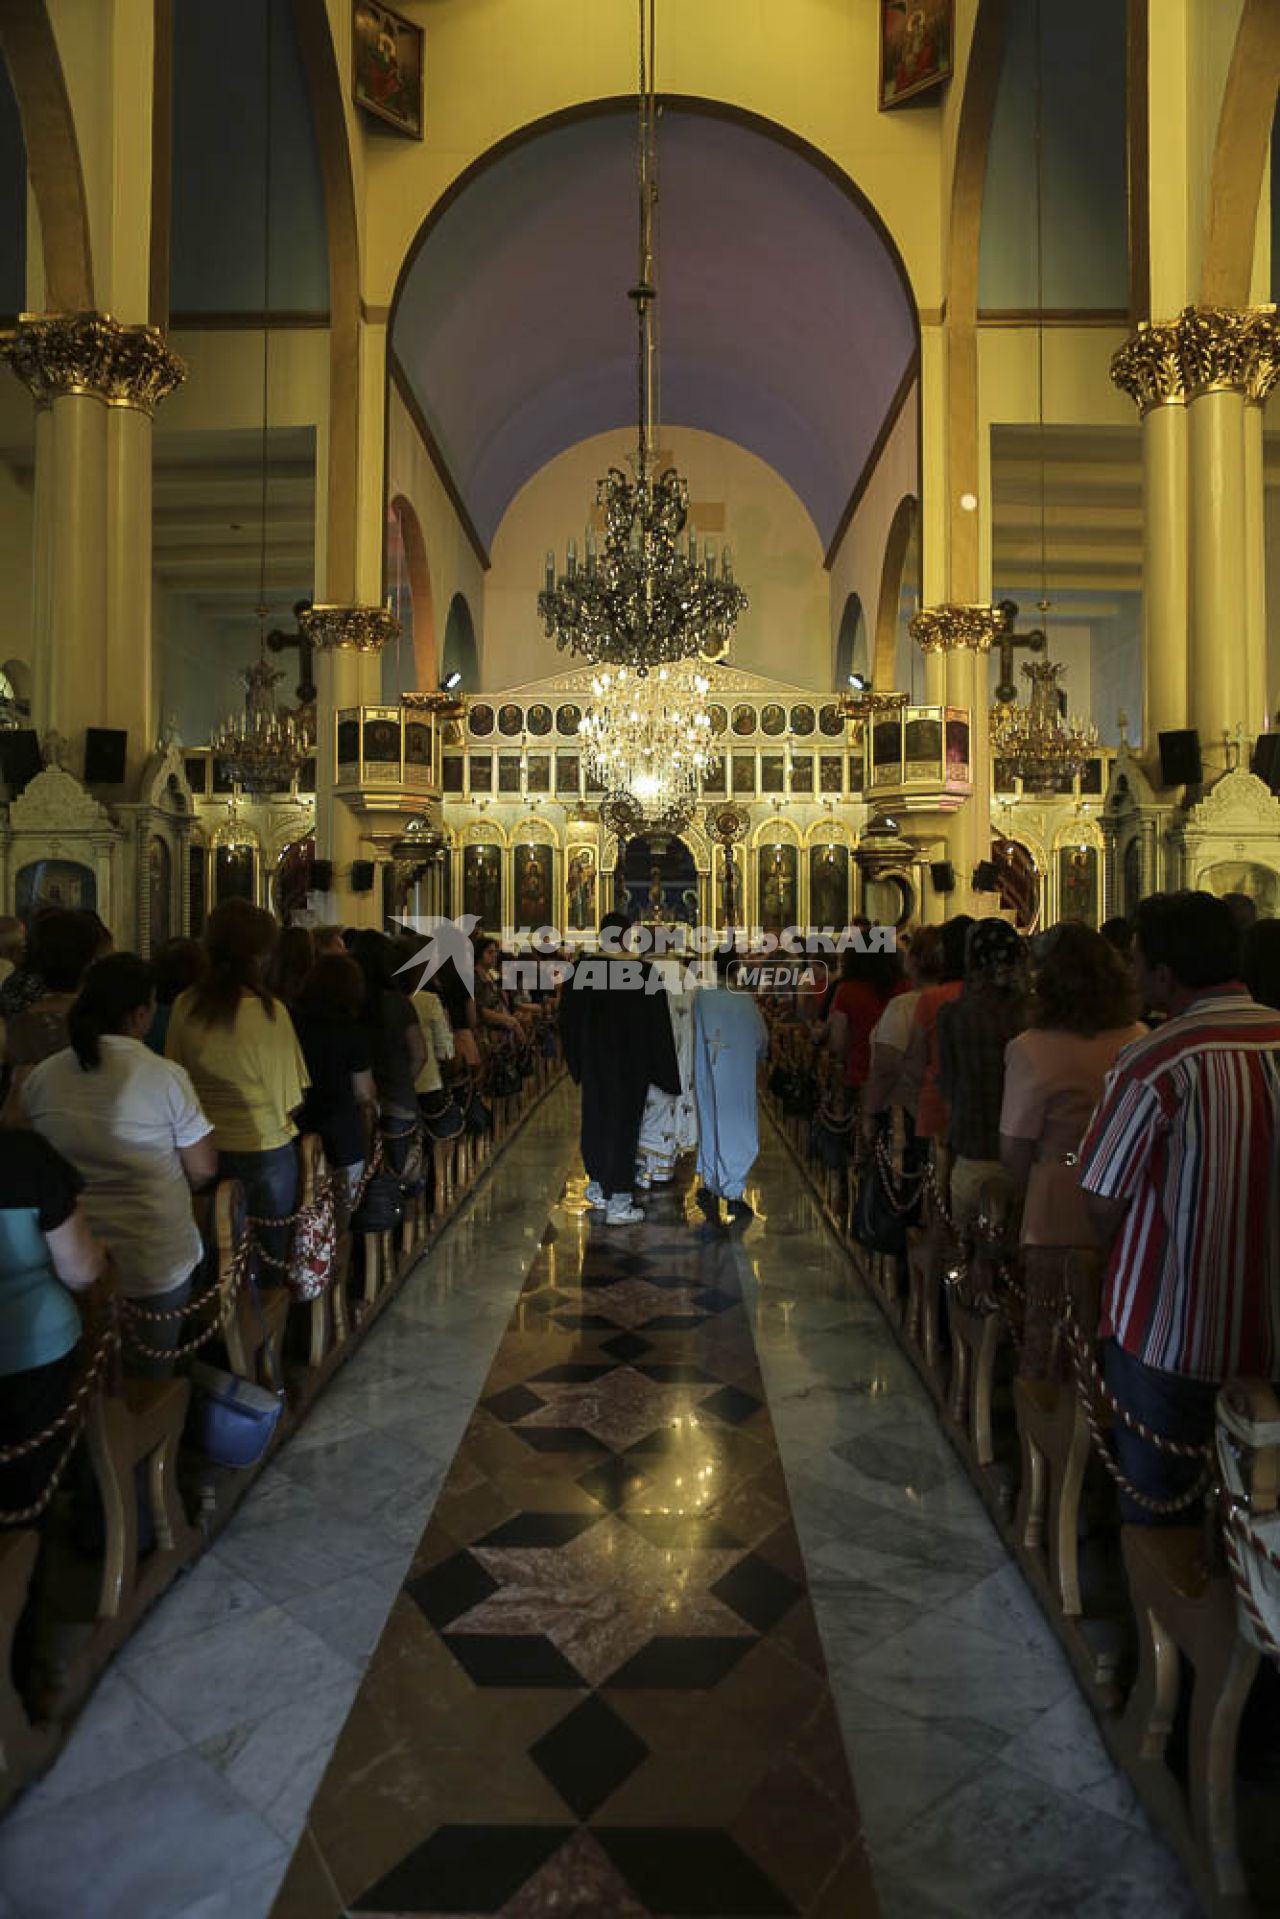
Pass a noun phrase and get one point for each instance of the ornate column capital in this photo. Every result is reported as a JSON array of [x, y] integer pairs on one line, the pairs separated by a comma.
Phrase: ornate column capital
[[90, 353], [357, 629], [951, 627], [1230, 350], [1148, 367]]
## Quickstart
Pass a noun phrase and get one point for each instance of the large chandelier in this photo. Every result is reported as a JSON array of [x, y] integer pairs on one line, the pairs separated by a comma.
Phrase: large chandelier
[[1044, 750], [649, 735], [645, 599], [263, 748]]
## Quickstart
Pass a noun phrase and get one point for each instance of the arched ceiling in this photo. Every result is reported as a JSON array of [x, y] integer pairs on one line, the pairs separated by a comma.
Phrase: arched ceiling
[[785, 323]]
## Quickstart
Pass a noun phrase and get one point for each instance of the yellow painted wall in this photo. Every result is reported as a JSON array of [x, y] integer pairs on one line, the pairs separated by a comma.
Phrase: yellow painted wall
[[777, 557], [453, 565], [859, 563]]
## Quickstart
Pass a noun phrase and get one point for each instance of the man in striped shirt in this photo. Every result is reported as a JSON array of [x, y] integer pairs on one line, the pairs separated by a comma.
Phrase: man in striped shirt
[[1181, 1174]]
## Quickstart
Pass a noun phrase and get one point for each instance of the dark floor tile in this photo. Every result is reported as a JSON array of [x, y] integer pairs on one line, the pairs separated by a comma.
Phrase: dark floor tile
[[539, 1529], [574, 1373], [589, 1755], [559, 1439], [758, 1591], [512, 1404], [511, 1659], [627, 1345], [731, 1403], [451, 1588], [675, 1323], [677, 1374], [682, 1665], [463, 1869], [586, 1323], [687, 1870], [715, 1300], [613, 1482]]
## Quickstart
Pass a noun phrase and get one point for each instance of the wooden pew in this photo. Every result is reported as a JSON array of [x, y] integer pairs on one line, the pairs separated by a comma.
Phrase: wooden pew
[[140, 1426], [326, 1314], [976, 1320], [24, 1747], [1054, 1439], [252, 1330]]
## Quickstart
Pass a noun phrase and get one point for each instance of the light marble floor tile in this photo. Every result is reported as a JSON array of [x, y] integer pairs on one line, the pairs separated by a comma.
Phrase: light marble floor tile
[[143, 1846], [275, 1763], [207, 1595], [248, 1896], [1065, 1749], [287, 1541], [118, 1732], [242, 1670], [349, 1615]]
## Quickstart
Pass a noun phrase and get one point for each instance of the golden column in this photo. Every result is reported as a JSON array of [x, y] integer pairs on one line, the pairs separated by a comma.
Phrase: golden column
[[1230, 361], [1148, 367], [347, 641], [964, 635], [96, 386]]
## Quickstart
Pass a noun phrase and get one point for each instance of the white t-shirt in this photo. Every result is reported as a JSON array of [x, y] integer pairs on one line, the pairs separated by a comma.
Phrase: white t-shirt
[[120, 1126]]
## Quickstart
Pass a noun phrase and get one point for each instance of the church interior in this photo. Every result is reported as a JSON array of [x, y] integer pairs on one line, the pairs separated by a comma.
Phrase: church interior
[[794, 472]]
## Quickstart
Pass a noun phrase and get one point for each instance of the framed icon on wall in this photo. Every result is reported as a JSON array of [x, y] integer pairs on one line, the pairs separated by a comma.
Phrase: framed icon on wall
[[386, 67], [916, 38]]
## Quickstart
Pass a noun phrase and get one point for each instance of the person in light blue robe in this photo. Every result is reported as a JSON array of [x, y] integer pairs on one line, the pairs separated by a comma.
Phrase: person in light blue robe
[[729, 1041]]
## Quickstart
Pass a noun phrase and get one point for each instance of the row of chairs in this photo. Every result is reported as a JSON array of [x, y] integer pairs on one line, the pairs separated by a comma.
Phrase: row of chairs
[[1152, 1617], [160, 1502]]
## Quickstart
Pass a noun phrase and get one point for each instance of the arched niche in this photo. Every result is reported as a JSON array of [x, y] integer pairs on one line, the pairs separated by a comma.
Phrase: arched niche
[[853, 650], [895, 655], [410, 665], [460, 654]]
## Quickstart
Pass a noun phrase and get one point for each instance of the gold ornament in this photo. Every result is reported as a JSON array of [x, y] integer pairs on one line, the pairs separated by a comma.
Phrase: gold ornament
[[1148, 367], [90, 353], [952, 627], [358, 629]]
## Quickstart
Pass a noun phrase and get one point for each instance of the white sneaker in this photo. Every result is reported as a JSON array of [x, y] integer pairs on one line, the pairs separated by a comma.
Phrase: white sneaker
[[594, 1195], [643, 1181], [623, 1211]]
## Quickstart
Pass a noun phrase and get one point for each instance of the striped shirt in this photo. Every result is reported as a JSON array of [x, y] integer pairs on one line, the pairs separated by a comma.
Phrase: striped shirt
[[1188, 1131]]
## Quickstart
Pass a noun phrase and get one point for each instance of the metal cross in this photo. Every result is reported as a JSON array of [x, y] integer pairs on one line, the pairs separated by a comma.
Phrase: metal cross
[[1035, 641]]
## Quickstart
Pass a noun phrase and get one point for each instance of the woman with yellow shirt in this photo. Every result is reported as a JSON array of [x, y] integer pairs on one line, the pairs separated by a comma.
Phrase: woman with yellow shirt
[[239, 1046]]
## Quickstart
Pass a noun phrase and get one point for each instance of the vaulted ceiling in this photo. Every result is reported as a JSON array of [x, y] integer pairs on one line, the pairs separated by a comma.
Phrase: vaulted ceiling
[[785, 324]]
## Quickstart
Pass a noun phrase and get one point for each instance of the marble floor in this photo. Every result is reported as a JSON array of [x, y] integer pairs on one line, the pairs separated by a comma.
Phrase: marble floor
[[597, 1690]]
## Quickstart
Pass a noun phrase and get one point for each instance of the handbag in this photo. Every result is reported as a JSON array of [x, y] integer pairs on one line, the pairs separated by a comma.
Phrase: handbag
[[314, 1247], [382, 1207], [232, 1420], [827, 1144], [443, 1117], [877, 1225], [504, 1076]]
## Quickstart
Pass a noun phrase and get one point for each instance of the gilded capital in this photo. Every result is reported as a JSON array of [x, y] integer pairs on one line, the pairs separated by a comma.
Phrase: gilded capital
[[951, 628], [1148, 367], [1230, 350], [90, 353], [358, 629]]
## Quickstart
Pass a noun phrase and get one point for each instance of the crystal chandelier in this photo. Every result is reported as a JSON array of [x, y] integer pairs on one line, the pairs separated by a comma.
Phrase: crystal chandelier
[[1042, 749], [263, 748], [649, 736], [645, 599]]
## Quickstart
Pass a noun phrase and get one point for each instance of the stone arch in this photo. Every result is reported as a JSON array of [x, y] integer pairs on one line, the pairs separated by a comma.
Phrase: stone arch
[[425, 656], [53, 153], [1240, 155], [904, 528], [459, 653], [853, 653]]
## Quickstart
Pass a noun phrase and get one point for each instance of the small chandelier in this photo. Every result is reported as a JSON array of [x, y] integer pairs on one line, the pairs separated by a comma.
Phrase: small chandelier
[[263, 748], [649, 736], [1037, 745], [646, 599]]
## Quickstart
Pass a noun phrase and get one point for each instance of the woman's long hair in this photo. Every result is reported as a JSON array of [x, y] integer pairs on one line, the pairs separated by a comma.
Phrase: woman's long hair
[[292, 960], [1082, 985], [375, 955], [113, 988], [238, 938]]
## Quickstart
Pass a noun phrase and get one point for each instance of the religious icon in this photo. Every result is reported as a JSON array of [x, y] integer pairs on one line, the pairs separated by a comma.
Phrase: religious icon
[[1259, 883], [510, 720], [480, 720], [580, 889], [568, 720], [417, 744], [197, 886], [923, 746], [772, 773], [197, 773], [719, 718], [53, 883], [508, 772], [744, 773], [829, 885], [831, 722], [713, 775], [568, 772], [387, 66], [886, 751], [452, 772], [744, 721], [773, 720], [482, 885], [957, 743], [235, 873], [533, 886], [1078, 884], [776, 867], [481, 773], [539, 720], [382, 742], [915, 47], [802, 773], [160, 890], [803, 721]]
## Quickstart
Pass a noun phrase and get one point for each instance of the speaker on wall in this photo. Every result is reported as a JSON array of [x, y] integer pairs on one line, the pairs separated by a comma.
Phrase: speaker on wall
[[105, 751], [1266, 760], [362, 876], [20, 759], [943, 875], [985, 877], [1180, 762], [322, 876]]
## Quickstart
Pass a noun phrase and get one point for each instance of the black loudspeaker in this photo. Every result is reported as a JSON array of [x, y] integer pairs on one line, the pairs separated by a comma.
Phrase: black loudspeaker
[[943, 875], [105, 751], [20, 759], [1180, 762], [322, 876], [1266, 760], [362, 876], [985, 877]]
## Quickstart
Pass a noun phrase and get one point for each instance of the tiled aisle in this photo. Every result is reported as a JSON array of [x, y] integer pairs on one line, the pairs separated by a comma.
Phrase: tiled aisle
[[983, 1784], [600, 1693], [186, 1782]]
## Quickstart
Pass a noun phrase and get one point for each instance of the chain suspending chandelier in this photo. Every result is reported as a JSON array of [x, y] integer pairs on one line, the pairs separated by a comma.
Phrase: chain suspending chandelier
[[263, 747], [643, 599]]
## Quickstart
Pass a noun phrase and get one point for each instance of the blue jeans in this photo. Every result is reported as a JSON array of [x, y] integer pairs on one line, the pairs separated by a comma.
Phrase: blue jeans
[[270, 1182], [1171, 1405]]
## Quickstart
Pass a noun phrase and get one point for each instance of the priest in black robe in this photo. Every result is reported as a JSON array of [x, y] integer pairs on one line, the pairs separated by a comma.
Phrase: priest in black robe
[[615, 1028]]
